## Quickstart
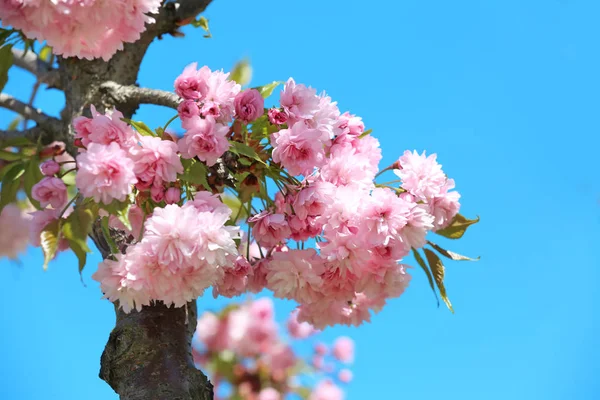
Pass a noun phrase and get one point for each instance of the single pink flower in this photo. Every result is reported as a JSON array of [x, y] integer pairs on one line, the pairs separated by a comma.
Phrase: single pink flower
[[269, 394], [50, 167], [299, 149], [295, 274], [269, 229], [421, 175], [105, 173], [345, 376], [188, 109], [190, 85], [173, 195], [326, 390], [277, 117], [298, 101], [299, 330], [343, 349], [249, 105], [155, 160], [14, 235], [204, 139], [50, 191]]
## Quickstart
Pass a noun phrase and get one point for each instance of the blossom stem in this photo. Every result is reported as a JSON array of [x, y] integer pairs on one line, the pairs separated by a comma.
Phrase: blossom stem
[[169, 122], [388, 168]]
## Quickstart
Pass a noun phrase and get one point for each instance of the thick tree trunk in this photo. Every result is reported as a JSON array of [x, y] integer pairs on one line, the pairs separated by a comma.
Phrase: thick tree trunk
[[148, 355]]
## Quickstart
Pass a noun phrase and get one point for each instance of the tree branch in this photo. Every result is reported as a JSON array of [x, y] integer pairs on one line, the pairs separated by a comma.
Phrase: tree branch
[[31, 133], [30, 62], [134, 95], [25, 110]]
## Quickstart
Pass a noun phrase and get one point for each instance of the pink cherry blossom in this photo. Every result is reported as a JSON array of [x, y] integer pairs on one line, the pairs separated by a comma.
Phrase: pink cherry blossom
[[298, 101], [208, 202], [190, 85], [204, 139], [14, 235], [109, 128], [326, 390], [444, 207], [345, 375], [269, 394], [172, 195], [269, 229], [105, 173], [157, 193], [295, 274], [235, 280], [299, 330], [276, 116], [50, 167], [421, 175], [156, 160], [343, 349], [280, 357], [50, 191], [298, 149], [348, 124], [188, 109], [249, 105], [109, 24], [213, 332]]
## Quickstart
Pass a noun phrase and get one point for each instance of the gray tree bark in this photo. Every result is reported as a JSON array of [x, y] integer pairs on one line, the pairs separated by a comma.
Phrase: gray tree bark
[[148, 354]]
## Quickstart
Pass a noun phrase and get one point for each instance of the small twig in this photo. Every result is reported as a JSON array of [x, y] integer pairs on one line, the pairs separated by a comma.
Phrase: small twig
[[30, 62]]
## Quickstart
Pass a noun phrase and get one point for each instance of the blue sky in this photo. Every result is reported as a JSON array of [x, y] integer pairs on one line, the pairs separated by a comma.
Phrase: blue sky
[[506, 92]]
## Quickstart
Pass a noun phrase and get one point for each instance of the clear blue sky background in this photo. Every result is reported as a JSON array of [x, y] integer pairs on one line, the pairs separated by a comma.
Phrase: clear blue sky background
[[506, 92]]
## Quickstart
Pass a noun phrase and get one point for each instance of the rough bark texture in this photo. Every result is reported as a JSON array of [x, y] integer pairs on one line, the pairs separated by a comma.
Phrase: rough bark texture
[[148, 355]]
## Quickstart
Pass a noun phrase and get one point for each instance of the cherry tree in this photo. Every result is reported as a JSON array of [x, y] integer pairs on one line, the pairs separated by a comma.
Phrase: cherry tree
[[288, 198]]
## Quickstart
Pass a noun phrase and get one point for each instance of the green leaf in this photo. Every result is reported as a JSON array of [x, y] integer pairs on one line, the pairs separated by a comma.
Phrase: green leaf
[[6, 61], [452, 255], [139, 126], [427, 272], [80, 253], [4, 34], [120, 209], [14, 123], [437, 269], [107, 237], [15, 142], [457, 227], [202, 22], [197, 175], [46, 53], [365, 133], [49, 241], [10, 183], [32, 176], [77, 227], [267, 89], [241, 148], [241, 73], [9, 155], [236, 206]]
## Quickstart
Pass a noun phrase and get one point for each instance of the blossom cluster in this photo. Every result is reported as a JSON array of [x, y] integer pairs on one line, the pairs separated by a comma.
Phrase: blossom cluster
[[244, 347], [80, 28], [362, 230], [167, 196]]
